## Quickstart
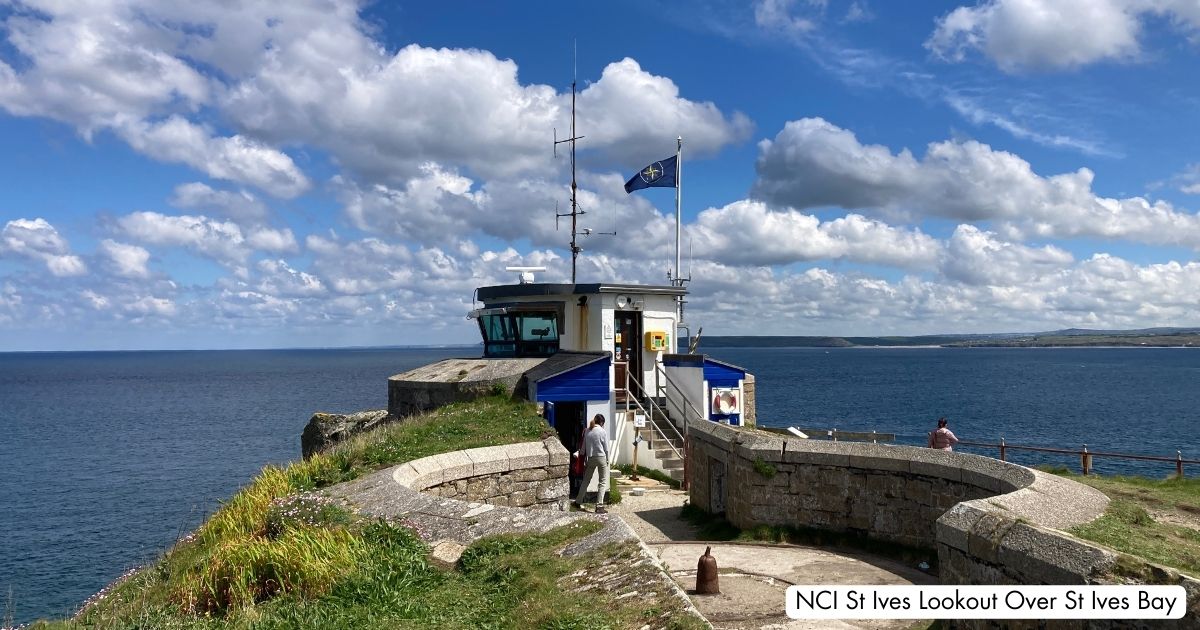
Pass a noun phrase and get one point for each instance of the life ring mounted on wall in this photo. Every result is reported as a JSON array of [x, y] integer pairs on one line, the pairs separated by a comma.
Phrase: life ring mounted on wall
[[725, 401]]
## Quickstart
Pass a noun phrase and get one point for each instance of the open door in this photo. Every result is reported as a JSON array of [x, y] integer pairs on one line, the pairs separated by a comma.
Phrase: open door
[[627, 351]]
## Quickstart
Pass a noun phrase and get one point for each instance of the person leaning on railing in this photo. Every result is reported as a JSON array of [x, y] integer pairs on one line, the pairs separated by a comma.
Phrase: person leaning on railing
[[943, 438]]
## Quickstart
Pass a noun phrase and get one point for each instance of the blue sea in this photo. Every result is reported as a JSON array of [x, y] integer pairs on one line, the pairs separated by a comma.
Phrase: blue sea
[[106, 458]]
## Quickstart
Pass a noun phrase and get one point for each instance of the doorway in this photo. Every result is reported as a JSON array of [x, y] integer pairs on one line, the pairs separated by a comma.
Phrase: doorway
[[627, 352]]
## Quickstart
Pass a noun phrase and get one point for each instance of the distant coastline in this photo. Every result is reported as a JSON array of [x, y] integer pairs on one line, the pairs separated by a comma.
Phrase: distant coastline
[[1071, 338]]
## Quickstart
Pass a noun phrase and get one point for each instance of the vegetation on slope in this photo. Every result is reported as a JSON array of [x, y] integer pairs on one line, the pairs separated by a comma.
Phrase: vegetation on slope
[[273, 558], [1158, 520]]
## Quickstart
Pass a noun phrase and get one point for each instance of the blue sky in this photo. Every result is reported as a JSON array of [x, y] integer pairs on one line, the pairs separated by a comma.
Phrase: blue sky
[[337, 173]]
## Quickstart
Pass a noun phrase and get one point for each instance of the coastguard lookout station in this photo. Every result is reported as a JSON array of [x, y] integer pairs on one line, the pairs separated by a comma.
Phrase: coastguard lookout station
[[611, 349]]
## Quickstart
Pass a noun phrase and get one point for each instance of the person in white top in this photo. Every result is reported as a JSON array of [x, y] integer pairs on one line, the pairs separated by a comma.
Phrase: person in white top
[[595, 450]]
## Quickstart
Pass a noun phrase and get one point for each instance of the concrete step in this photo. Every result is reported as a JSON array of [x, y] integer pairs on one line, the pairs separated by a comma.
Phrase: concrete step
[[672, 464], [675, 473], [666, 453]]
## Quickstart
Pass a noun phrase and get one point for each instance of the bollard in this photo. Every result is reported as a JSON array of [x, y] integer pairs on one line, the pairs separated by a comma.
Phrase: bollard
[[1002, 447], [1179, 464], [706, 574], [1085, 461]]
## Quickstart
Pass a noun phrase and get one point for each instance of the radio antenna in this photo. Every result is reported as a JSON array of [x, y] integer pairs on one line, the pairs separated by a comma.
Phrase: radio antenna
[[575, 210]]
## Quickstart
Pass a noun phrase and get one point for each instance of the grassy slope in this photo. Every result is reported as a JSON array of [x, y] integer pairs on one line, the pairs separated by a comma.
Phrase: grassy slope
[[1130, 524], [268, 559]]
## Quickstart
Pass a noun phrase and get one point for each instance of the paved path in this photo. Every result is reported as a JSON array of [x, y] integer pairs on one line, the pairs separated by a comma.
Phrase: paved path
[[753, 577]]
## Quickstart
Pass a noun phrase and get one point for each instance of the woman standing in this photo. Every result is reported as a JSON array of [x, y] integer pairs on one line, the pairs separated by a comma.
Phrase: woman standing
[[942, 439], [595, 450]]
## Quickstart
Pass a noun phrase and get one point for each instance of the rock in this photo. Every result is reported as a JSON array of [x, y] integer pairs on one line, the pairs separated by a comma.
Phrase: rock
[[326, 429]]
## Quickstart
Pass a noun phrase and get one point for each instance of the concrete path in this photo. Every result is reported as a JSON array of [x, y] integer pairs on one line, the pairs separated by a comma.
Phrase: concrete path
[[753, 577]]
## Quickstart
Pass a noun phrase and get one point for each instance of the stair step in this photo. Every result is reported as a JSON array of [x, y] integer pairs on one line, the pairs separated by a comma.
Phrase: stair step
[[672, 464]]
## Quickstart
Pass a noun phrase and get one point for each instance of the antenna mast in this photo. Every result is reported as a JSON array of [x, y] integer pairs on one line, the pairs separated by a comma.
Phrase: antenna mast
[[575, 211]]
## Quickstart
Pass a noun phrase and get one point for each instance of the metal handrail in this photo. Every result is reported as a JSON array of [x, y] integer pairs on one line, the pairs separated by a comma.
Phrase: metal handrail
[[654, 405], [1085, 456], [683, 397]]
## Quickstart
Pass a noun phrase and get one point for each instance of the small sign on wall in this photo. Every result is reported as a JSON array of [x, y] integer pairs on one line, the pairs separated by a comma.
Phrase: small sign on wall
[[608, 331], [639, 421]]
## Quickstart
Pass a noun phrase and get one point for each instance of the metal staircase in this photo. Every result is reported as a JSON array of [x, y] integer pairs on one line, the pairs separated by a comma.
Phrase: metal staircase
[[667, 435]]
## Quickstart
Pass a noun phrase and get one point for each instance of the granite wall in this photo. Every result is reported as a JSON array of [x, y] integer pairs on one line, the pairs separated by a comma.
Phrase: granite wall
[[530, 474], [991, 522]]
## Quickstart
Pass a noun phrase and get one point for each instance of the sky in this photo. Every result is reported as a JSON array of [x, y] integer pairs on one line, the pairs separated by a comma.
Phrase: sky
[[324, 173]]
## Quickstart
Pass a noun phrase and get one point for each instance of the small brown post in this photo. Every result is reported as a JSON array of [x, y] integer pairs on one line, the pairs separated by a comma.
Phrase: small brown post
[[706, 574], [636, 439], [1002, 449], [1179, 464], [1085, 460]]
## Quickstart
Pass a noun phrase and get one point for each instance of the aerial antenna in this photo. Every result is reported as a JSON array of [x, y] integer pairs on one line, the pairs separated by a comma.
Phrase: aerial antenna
[[575, 212]]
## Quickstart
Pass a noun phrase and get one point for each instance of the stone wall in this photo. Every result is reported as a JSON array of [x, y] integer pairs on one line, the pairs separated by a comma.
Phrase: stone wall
[[885, 492], [531, 474], [991, 522]]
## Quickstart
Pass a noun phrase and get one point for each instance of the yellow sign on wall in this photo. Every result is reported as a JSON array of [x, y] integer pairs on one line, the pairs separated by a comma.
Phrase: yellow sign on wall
[[656, 341]]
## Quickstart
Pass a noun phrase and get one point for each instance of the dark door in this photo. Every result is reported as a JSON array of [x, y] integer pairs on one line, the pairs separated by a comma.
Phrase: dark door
[[627, 349]]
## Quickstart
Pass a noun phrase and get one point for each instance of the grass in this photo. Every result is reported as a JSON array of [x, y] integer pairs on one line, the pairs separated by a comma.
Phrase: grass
[[273, 558], [656, 475], [1129, 526], [711, 527]]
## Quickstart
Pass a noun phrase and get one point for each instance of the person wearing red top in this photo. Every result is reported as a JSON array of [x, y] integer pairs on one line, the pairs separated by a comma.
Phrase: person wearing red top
[[942, 439]]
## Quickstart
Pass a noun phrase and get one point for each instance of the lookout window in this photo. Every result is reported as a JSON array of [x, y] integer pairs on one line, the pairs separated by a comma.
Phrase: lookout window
[[519, 333]]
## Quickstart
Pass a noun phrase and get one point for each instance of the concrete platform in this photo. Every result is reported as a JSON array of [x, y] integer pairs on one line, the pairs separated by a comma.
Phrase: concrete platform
[[753, 577]]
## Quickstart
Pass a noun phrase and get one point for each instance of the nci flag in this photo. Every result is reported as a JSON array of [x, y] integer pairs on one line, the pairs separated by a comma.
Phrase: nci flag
[[660, 174]]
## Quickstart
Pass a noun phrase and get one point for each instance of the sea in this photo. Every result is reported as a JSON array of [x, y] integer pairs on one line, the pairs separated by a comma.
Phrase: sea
[[107, 458]]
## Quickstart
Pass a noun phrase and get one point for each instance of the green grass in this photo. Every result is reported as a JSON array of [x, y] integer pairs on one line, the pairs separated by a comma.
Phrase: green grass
[[656, 475], [1128, 525], [269, 558]]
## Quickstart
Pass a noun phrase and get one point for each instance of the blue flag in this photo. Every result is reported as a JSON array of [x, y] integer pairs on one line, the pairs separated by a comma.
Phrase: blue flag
[[660, 174]]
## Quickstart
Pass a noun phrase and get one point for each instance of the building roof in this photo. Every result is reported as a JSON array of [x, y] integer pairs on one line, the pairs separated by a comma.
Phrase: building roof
[[561, 362], [534, 289]]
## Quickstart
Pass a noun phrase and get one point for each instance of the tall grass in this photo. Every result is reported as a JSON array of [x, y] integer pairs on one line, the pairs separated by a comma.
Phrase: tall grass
[[242, 556]]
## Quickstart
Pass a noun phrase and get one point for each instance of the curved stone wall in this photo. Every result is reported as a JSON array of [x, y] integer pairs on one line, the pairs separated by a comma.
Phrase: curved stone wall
[[530, 474], [990, 522]]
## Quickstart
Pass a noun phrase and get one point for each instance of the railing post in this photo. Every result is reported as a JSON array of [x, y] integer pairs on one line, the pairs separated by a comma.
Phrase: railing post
[[1085, 460], [833, 434], [1179, 464], [1002, 449], [873, 440]]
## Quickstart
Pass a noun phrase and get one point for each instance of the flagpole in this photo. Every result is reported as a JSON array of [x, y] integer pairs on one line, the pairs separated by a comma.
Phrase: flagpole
[[678, 281], [678, 213]]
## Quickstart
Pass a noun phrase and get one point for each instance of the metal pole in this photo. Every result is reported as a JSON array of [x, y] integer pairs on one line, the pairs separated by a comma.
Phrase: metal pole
[[678, 281], [1084, 460], [1179, 464], [1002, 449]]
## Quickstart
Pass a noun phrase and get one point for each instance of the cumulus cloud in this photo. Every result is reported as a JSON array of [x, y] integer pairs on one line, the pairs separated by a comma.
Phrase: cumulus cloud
[[223, 241], [1053, 34], [241, 206], [236, 158], [749, 233], [36, 239], [812, 162], [126, 261]]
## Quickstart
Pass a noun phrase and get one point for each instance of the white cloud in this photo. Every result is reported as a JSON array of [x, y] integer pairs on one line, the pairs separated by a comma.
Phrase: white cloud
[[1053, 34], [779, 15], [36, 239], [223, 241], [237, 158], [974, 256], [814, 163], [127, 261], [749, 233], [241, 206]]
